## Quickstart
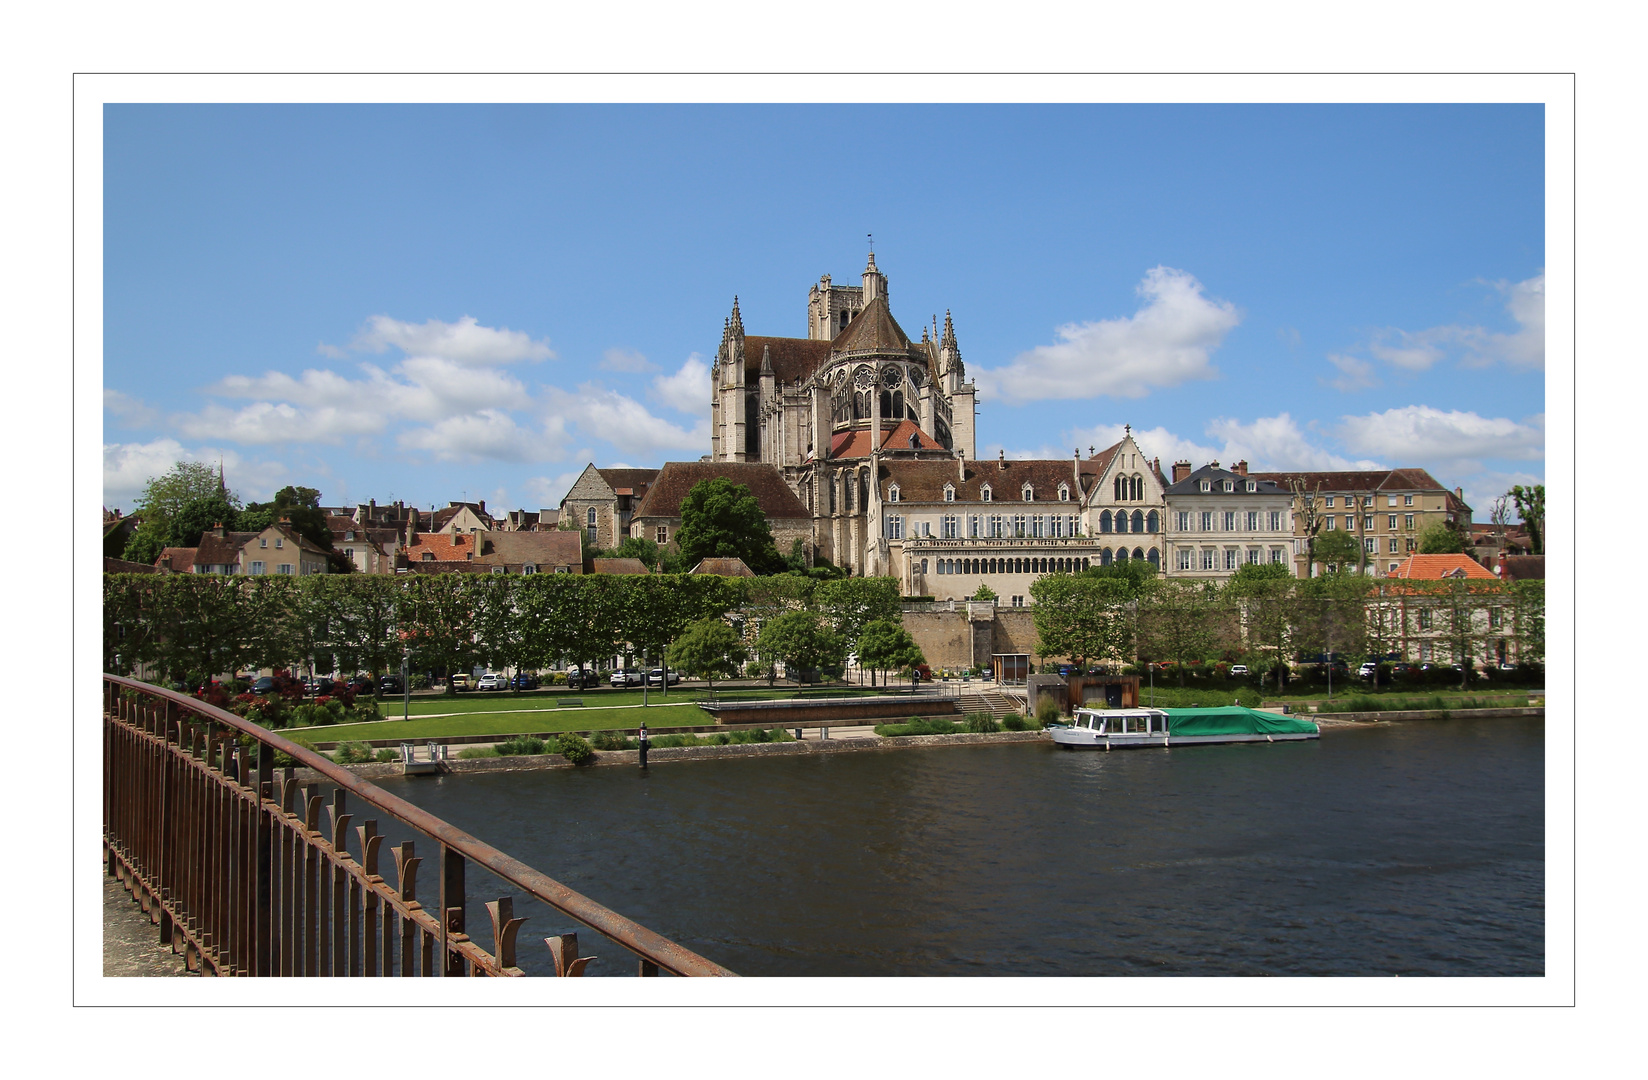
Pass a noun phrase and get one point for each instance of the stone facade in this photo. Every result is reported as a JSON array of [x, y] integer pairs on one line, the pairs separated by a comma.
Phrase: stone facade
[[1219, 519], [602, 502], [1387, 509]]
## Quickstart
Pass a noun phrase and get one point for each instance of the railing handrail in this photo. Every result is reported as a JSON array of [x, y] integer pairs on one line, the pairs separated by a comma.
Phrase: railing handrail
[[650, 946]]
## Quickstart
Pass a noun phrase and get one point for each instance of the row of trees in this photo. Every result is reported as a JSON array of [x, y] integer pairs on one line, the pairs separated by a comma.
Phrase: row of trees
[[193, 626], [1266, 617]]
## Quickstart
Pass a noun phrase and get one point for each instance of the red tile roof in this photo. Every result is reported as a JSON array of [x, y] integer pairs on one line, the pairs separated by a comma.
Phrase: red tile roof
[[460, 547], [857, 443], [558, 548], [1437, 567], [180, 560]]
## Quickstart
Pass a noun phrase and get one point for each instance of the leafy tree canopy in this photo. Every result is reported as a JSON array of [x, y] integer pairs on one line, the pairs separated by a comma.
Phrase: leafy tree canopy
[[1258, 577], [802, 641], [708, 649], [633, 547], [1530, 508], [1338, 549], [886, 645], [1135, 574], [1440, 538], [299, 504], [983, 592], [721, 519]]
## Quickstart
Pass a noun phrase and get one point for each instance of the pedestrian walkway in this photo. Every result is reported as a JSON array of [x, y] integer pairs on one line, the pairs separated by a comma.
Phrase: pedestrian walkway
[[131, 942]]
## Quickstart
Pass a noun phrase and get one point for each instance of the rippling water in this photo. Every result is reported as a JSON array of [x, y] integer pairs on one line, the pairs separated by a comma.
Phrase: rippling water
[[1404, 848]]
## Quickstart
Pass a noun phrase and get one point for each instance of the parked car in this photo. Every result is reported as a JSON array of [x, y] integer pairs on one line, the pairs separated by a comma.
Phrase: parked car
[[1238, 671], [389, 684], [626, 677], [577, 679], [655, 677], [361, 684], [1368, 670], [493, 681], [524, 682], [265, 685], [459, 683]]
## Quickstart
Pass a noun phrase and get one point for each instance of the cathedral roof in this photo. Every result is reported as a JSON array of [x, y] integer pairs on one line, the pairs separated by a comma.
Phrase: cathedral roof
[[874, 330], [792, 358], [857, 443], [677, 478]]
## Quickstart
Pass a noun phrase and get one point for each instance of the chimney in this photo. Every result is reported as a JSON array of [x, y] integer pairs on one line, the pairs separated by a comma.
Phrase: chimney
[[1001, 460], [1181, 470], [166, 561], [1075, 467], [961, 465], [483, 506], [411, 524], [1240, 468]]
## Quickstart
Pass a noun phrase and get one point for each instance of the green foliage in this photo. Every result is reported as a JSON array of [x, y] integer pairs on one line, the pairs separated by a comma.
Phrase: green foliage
[[574, 747], [1250, 578], [165, 496], [632, 547], [708, 649], [981, 723], [1182, 621], [802, 641], [853, 603], [983, 592], [1084, 618], [352, 753], [1047, 710], [470, 753], [1136, 574], [1530, 510], [284, 760], [525, 744], [885, 644], [721, 519], [387, 754], [611, 740], [1016, 722], [1217, 692], [1338, 548], [919, 726], [1440, 538]]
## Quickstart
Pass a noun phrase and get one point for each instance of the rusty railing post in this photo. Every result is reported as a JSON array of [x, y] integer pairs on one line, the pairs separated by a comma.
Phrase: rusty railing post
[[451, 911]]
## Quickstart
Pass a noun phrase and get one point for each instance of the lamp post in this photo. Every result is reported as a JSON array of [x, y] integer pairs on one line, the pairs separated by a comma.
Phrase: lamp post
[[406, 683]]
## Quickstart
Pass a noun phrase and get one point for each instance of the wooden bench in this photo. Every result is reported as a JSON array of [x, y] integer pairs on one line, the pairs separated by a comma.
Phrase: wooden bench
[[569, 702]]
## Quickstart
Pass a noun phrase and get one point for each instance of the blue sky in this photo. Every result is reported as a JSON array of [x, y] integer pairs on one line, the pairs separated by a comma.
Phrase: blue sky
[[434, 303]]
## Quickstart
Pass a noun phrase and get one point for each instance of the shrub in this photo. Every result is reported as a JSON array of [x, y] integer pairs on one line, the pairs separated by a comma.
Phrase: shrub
[[685, 739], [918, 726], [754, 670], [364, 710], [1047, 710], [981, 723], [1015, 722], [388, 753], [574, 747], [283, 759], [611, 740], [352, 753], [521, 744], [557, 678], [469, 753]]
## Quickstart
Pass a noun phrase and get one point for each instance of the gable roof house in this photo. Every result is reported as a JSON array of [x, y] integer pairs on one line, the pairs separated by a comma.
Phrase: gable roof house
[[553, 552], [1387, 509], [601, 503], [658, 517]]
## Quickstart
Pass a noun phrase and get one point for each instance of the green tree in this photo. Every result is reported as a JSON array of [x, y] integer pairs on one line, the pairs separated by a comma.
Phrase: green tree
[[1339, 550], [707, 649], [983, 592], [721, 519], [1441, 538], [1264, 595], [363, 625], [1530, 509], [1135, 574], [438, 616], [632, 547], [853, 603], [1179, 620], [1083, 618], [803, 641], [885, 645], [300, 506], [1528, 608]]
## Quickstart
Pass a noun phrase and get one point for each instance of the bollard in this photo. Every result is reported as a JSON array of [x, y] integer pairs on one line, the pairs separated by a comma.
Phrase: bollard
[[797, 734], [644, 744]]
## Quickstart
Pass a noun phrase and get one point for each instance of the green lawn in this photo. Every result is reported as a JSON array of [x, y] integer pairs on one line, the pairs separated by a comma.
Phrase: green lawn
[[508, 723], [538, 700]]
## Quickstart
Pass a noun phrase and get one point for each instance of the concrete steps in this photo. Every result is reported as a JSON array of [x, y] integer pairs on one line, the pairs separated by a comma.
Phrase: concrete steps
[[994, 702]]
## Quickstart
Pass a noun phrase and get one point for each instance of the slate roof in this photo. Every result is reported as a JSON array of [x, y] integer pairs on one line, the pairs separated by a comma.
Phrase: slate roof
[[1437, 567], [677, 478], [1192, 484], [923, 481], [619, 566], [857, 443], [1366, 480]]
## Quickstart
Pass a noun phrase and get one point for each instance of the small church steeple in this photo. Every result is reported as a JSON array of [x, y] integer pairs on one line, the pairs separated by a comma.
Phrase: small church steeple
[[875, 282]]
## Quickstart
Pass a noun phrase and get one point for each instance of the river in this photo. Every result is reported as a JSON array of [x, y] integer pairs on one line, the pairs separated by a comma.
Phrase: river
[[1392, 849]]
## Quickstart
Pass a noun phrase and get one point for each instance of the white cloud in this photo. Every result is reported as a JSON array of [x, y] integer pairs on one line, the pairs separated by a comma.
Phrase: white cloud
[[266, 423], [128, 467], [1413, 351], [624, 422], [1482, 488], [626, 360], [1354, 374], [1275, 443], [490, 433], [550, 490], [1168, 341], [464, 342], [1524, 347], [688, 390], [1419, 434], [1157, 442], [132, 412]]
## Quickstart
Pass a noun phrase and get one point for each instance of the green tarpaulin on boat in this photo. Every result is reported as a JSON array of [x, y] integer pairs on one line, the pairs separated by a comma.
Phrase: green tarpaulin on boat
[[1233, 720]]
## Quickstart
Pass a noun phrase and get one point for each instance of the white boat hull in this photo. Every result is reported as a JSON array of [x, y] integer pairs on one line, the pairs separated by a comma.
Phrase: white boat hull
[[1082, 739]]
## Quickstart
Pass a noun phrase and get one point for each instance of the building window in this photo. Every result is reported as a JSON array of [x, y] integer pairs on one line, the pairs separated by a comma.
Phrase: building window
[[1254, 556], [284, 568], [1184, 557], [1071, 527], [1392, 523], [1207, 521], [972, 525], [499, 569], [949, 493], [984, 493], [1275, 521], [1028, 493], [1496, 618], [1411, 544], [1390, 500], [1367, 523], [1328, 502], [1233, 558], [350, 553], [1407, 500], [1152, 523], [1183, 518], [1230, 521], [1393, 566], [1104, 522], [1229, 485], [895, 527], [1407, 521], [947, 527], [257, 568], [1055, 526], [349, 535], [1018, 601], [1036, 528], [1393, 545], [1252, 486], [279, 542], [1370, 544], [1278, 555], [1424, 619], [529, 568], [1018, 525], [1207, 485], [663, 535], [1208, 557], [263, 541], [1064, 493], [892, 493], [995, 525], [1330, 521]]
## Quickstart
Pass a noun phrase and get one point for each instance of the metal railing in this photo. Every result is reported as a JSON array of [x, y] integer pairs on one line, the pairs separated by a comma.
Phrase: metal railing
[[230, 858]]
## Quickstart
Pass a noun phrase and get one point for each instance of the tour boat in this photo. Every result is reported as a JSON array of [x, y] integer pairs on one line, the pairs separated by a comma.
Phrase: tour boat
[[1121, 729]]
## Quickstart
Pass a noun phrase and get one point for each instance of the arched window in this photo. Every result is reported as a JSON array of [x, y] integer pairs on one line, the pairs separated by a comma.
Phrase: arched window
[[1138, 553], [1138, 521], [1120, 487], [949, 493], [1152, 523], [898, 404], [1029, 493], [1138, 488], [1105, 556], [1064, 493], [1104, 522], [892, 493], [1155, 558], [1121, 555], [863, 490], [984, 493], [1121, 520]]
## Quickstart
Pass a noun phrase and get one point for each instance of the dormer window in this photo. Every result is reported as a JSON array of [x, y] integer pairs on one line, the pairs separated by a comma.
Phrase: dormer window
[[1064, 493], [949, 493], [892, 493], [530, 568], [350, 535], [984, 493], [1207, 485], [1253, 485], [1230, 485], [1029, 493]]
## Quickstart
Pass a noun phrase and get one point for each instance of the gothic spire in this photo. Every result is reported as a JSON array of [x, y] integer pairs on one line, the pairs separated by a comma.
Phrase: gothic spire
[[737, 319]]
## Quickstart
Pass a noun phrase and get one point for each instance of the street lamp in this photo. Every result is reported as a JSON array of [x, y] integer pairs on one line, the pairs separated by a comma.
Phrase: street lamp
[[406, 683]]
